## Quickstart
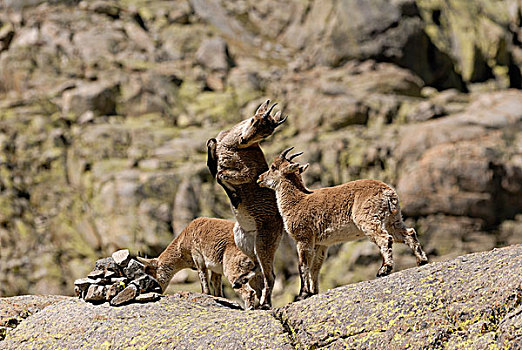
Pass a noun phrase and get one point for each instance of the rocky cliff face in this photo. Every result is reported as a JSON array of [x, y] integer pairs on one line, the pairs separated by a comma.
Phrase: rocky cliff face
[[106, 106], [472, 302]]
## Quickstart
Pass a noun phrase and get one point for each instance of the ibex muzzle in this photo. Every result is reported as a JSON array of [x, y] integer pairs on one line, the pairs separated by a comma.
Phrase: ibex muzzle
[[261, 125]]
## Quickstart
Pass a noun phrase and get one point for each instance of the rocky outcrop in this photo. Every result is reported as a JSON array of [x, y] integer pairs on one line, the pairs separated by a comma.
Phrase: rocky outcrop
[[474, 301], [118, 279], [184, 320], [105, 107], [466, 303], [477, 58], [467, 164]]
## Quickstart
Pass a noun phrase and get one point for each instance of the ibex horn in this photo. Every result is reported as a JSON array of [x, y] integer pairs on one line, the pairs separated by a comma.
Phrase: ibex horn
[[282, 121], [285, 152], [267, 113], [295, 155]]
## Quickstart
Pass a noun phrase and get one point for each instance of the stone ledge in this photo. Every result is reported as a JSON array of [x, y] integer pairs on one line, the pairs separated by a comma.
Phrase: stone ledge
[[473, 301]]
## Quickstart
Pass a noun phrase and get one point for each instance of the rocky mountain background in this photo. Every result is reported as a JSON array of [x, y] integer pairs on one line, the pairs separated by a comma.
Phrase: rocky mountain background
[[105, 108]]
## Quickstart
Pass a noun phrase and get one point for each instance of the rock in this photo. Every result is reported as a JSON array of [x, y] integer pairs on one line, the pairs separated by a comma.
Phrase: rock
[[15, 309], [107, 283], [83, 282], [119, 279], [103, 7], [461, 177], [471, 301], [511, 231], [425, 111], [416, 307], [146, 297], [121, 257], [95, 293], [446, 22], [342, 97], [109, 275], [126, 295], [94, 274], [147, 283], [383, 30], [139, 36], [180, 16], [26, 38], [106, 264], [215, 14], [98, 97], [96, 46], [215, 81], [6, 36], [134, 270], [213, 54], [114, 290], [82, 285]]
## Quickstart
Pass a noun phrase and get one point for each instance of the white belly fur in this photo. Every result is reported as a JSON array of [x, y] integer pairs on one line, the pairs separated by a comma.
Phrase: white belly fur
[[338, 234], [245, 233], [214, 266], [246, 221]]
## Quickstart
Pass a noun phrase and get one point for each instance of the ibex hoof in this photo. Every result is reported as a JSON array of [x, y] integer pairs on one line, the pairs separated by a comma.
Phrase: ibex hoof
[[265, 307], [384, 271], [422, 262], [303, 296]]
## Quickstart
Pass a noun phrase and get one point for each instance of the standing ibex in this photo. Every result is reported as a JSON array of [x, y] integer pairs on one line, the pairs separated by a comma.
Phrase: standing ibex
[[206, 244], [236, 160], [320, 218]]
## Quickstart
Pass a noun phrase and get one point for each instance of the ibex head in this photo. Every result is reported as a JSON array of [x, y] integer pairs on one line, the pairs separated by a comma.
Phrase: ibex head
[[261, 125], [154, 269], [282, 167]]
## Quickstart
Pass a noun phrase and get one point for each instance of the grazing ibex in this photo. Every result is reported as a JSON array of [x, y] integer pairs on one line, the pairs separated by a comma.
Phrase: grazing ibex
[[236, 160], [206, 244], [320, 218]]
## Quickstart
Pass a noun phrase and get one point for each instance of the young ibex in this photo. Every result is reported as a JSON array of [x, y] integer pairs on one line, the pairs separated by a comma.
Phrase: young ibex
[[206, 244], [236, 160], [320, 218]]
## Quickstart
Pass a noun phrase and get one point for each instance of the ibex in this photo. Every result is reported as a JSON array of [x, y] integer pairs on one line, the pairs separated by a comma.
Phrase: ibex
[[320, 218], [236, 160], [206, 244]]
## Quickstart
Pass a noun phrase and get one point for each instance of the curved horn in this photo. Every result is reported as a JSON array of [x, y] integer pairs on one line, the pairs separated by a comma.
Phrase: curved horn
[[285, 152], [295, 155], [267, 113], [282, 121]]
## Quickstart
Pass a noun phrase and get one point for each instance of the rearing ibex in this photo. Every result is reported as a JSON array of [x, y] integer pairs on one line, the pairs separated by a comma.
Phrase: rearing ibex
[[236, 160], [320, 218]]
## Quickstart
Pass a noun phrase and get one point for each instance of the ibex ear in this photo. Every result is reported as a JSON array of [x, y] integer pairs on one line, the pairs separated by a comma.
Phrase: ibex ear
[[293, 167], [262, 109], [148, 262], [303, 168], [212, 157]]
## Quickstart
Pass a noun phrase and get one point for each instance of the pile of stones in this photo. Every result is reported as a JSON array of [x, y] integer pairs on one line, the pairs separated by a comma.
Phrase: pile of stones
[[118, 279]]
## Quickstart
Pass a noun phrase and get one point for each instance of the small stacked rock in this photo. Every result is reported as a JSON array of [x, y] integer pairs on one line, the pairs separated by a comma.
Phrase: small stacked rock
[[118, 279]]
